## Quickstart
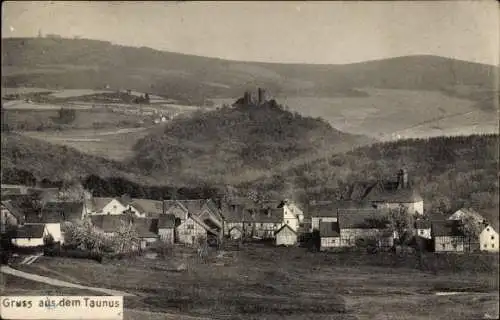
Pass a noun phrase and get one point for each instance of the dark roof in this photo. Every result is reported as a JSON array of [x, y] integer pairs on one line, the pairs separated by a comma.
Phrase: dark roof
[[146, 228], [63, 211], [264, 216], [166, 221], [422, 224], [109, 223], [14, 209], [363, 219], [283, 227], [30, 231], [446, 228], [390, 191], [329, 229], [331, 209], [232, 213], [150, 207]]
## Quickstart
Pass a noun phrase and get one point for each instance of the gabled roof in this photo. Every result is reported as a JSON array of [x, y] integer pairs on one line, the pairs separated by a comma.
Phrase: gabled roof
[[98, 203], [363, 219], [232, 213], [166, 221], [331, 209], [236, 228], [62, 211], [329, 229], [30, 231], [150, 207], [264, 216], [12, 207], [389, 191], [450, 228], [146, 228], [283, 227], [464, 213]]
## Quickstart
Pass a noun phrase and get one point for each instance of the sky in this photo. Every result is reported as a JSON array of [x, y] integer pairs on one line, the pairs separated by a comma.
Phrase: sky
[[290, 32]]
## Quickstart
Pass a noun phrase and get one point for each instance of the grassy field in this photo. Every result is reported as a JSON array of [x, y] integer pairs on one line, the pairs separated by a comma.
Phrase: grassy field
[[111, 144], [259, 282], [385, 114]]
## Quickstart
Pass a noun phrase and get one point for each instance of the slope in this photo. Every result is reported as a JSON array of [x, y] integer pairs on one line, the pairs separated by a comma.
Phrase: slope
[[82, 63], [238, 143], [449, 172]]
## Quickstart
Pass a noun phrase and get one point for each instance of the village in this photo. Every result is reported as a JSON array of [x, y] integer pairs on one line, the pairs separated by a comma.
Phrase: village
[[380, 221]]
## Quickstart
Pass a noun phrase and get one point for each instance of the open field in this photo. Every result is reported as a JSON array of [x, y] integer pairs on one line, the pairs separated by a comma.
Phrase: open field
[[258, 282], [385, 114], [111, 144]]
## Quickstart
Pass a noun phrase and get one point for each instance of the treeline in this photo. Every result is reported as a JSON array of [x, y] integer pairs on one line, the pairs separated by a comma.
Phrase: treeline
[[114, 187], [449, 172]]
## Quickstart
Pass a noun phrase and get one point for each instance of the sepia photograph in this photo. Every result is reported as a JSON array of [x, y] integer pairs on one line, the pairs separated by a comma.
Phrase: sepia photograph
[[250, 160]]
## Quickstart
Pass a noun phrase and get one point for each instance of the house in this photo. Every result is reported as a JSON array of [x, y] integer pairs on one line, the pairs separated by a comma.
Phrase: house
[[235, 233], [362, 225], [145, 207], [110, 224], [327, 211], [393, 194], [190, 231], [262, 223], [66, 211], [166, 227], [107, 206], [488, 238], [447, 236], [423, 228], [286, 236], [30, 235], [329, 233], [147, 231], [467, 213]]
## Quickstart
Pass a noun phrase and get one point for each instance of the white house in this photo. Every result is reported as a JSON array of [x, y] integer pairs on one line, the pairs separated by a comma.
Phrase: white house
[[285, 236], [329, 233], [467, 213], [107, 206], [488, 238], [447, 236], [363, 225], [30, 235], [189, 231]]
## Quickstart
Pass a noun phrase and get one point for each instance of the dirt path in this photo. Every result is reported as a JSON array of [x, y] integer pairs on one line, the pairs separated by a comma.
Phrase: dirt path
[[60, 283]]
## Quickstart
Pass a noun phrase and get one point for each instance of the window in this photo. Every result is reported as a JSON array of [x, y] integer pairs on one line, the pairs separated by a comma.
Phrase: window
[[114, 207], [287, 222], [333, 241], [190, 226], [444, 246], [492, 237], [487, 229], [261, 224], [249, 224], [493, 245], [421, 231], [485, 245]]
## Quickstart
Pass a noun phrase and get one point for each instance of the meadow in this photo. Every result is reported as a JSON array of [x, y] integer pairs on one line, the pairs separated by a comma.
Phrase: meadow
[[257, 281]]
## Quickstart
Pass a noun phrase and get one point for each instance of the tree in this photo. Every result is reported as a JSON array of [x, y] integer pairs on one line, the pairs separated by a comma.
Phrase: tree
[[401, 223], [72, 191], [126, 238], [470, 228]]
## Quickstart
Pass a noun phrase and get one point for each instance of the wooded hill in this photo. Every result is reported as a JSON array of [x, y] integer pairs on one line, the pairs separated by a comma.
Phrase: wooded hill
[[234, 144], [449, 172]]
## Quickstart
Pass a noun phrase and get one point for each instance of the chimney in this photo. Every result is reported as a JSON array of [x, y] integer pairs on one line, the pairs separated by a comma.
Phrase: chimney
[[246, 98]]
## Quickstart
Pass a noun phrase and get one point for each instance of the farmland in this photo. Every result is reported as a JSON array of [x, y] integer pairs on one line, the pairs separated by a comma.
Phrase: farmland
[[251, 283]]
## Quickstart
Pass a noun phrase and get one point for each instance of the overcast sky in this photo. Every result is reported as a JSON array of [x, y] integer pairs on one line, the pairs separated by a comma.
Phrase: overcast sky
[[313, 32]]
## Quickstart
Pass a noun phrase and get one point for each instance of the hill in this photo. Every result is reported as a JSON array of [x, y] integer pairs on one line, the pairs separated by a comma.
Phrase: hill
[[47, 161], [234, 144], [82, 63], [449, 172]]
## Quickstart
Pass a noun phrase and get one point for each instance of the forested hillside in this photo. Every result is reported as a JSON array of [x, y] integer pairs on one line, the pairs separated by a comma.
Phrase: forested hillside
[[236, 144], [449, 172]]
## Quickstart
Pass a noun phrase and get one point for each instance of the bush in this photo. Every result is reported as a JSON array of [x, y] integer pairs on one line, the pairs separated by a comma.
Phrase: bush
[[72, 253]]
